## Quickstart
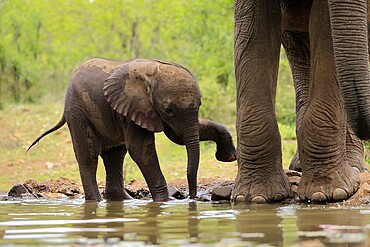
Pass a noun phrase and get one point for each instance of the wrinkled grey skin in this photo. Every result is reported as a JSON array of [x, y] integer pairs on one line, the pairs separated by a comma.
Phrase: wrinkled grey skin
[[114, 107], [332, 94]]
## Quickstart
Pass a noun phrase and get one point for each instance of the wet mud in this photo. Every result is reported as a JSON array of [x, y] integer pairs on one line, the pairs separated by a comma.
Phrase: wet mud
[[209, 189]]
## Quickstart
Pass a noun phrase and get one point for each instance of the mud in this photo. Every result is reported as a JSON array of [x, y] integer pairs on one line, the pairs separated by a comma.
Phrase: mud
[[209, 189]]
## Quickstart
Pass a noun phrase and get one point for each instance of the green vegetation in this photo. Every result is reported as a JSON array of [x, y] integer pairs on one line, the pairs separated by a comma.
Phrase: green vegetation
[[53, 157], [41, 42]]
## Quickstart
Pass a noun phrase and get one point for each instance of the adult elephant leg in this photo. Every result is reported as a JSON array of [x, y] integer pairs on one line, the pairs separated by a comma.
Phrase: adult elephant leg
[[326, 174], [141, 147], [260, 177], [87, 148], [297, 48], [114, 185]]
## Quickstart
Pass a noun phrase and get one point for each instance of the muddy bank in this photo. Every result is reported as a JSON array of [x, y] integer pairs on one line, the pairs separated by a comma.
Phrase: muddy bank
[[209, 189]]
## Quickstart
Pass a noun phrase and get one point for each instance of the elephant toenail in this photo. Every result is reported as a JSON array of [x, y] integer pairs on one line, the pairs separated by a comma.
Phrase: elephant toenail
[[318, 197], [258, 200], [339, 194], [357, 170], [278, 198], [239, 199]]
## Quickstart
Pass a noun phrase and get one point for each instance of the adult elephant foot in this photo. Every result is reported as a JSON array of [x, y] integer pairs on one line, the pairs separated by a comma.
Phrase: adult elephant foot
[[265, 189], [331, 186]]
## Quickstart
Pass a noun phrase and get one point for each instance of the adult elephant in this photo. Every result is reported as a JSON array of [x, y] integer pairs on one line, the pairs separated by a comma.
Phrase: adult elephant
[[326, 40], [114, 107]]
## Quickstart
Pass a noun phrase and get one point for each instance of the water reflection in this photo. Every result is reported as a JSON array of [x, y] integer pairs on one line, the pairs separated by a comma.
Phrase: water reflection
[[333, 225], [193, 222], [260, 225], [178, 223]]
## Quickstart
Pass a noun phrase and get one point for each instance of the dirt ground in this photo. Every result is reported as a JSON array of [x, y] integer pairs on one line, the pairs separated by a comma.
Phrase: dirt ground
[[209, 189]]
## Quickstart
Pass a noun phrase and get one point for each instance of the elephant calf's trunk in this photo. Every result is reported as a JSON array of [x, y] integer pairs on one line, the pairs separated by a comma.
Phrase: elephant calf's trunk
[[192, 169], [212, 131], [191, 140]]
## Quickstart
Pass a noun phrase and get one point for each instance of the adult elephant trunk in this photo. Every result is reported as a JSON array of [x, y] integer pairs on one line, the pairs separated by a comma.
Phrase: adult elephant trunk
[[349, 32], [190, 136]]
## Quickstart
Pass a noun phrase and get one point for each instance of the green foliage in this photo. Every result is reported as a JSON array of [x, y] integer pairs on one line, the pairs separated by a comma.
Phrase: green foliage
[[53, 156], [285, 103], [41, 42]]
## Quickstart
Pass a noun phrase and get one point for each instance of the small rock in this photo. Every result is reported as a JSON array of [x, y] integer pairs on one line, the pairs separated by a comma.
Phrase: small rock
[[366, 187], [17, 190], [291, 173], [294, 180], [221, 193], [228, 183], [172, 190], [31, 185], [204, 198], [129, 190], [175, 193], [52, 195], [142, 193], [294, 188]]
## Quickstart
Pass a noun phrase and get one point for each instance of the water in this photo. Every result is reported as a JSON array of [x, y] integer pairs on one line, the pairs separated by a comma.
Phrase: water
[[179, 223]]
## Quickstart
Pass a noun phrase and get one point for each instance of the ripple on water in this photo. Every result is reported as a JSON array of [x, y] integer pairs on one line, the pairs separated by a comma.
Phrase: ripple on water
[[178, 223]]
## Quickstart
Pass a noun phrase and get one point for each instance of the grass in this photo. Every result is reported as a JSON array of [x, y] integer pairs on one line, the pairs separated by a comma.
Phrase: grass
[[53, 157]]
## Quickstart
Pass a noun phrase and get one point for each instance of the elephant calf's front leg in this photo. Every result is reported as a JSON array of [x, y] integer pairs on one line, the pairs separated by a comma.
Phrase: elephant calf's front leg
[[141, 147]]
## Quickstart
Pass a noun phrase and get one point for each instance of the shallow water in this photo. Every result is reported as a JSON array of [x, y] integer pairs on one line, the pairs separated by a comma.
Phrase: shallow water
[[179, 223]]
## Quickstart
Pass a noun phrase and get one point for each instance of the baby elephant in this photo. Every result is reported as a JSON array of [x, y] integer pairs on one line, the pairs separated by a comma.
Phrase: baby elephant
[[113, 107]]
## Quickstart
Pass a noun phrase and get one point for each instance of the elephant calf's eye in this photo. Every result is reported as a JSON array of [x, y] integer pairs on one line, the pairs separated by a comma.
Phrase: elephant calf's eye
[[169, 112]]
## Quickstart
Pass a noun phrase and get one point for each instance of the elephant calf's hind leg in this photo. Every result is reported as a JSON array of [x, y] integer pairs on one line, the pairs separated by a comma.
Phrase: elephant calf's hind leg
[[113, 162], [86, 148]]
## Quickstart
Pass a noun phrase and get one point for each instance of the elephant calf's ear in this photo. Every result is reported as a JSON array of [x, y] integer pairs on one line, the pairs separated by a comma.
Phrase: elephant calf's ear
[[130, 97]]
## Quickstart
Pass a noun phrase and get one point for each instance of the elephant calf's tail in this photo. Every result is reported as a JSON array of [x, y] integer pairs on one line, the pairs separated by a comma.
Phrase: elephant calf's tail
[[61, 122]]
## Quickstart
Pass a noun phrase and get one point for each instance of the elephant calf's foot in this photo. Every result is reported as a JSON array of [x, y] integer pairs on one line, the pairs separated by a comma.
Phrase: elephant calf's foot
[[117, 196], [331, 186], [160, 195], [265, 190]]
